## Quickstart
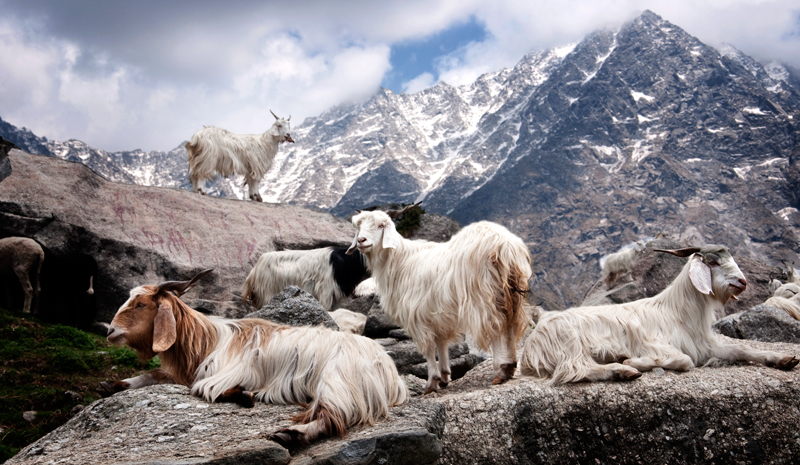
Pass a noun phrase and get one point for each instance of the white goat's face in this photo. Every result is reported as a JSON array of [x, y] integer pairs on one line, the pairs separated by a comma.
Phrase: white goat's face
[[713, 271], [280, 128], [376, 232]]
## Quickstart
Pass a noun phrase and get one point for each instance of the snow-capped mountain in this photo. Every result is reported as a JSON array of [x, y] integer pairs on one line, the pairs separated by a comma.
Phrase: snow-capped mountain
[[579, 150]]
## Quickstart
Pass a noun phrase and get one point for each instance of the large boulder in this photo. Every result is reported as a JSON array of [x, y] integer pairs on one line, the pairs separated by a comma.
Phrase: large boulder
[[295, 307], [760, 323], [654, 271], [733, 414], [144, 235]]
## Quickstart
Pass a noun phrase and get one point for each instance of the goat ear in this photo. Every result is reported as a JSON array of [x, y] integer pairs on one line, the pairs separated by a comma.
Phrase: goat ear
[[353, 245], [391, 238], [164, 331], [700, 274]]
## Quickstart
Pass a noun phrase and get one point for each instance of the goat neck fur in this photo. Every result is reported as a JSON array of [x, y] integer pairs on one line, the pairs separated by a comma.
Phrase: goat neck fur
[[475, 284], [671, 330], [342, 379], [327, 274], [215, 151], [23, 258]]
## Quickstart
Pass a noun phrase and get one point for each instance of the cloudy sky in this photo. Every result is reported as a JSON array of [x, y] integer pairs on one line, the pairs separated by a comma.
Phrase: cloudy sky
[[148, 73]]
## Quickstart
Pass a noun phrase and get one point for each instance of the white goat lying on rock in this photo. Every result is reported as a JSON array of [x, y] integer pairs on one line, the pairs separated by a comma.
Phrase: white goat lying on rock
[[671, 330], [341, 379], [217, 151], [475, 283], [23, 258]]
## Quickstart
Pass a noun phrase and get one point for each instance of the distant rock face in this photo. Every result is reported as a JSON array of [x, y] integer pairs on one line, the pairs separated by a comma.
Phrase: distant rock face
[[654, 271], [760, 323], [143, 235], [734, 414]]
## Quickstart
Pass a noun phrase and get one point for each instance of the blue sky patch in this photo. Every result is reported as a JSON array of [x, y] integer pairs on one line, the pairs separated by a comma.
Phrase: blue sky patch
[[411, 58]]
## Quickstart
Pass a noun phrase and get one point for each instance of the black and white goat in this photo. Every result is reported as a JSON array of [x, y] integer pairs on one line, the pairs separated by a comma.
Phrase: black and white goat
[[215, 151], [475, 283], [671, 330], [329, 274], [341, 379]]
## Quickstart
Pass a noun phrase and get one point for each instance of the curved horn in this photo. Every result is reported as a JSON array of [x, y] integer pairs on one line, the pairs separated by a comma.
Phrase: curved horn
[[289, 118], [395, 213], [685, 252], [273, 114], [180, 287]]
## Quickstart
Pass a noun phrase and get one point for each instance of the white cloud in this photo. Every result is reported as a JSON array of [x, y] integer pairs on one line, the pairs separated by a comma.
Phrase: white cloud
[[158, 71], [421, 82]]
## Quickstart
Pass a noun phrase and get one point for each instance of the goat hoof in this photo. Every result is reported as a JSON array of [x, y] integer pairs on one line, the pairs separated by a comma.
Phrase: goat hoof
[[505, 373], [628, 375], [110, 387], [787, 363], [433, 385], [288, 438]]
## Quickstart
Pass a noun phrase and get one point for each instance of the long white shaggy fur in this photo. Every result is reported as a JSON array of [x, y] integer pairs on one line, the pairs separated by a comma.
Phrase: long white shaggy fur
[[342, 379], [215, 151], [474, 283], [671, 330]]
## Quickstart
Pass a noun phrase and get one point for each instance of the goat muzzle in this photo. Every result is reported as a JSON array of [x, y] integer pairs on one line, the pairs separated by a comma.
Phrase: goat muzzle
[[288, 138]]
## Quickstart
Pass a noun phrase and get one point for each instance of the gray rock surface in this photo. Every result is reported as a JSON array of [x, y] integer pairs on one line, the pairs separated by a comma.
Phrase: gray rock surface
[[145, 235], [760, 323], [732, 414], [295, 307]]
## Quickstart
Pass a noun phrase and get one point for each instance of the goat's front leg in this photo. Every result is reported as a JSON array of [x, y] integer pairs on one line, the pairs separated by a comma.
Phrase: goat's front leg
[[252, 189], [444, 362], [199, 185], [504, 357], [737, 352], [237, 395], [434, 375], [157, 376]]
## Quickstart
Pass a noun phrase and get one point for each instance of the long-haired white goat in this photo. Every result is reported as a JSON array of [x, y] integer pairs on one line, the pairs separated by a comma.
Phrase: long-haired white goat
[[475, 284], [342, 379], [671, 330], [215, 151]]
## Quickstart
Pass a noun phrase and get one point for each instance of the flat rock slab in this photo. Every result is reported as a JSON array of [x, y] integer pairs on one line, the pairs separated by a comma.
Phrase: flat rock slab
[[731, 414], [166, 425], [760, 323]]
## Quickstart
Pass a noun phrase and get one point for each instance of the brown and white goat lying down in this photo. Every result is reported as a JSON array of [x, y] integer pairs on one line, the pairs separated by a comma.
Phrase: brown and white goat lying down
[[671, 330], [343, 379]]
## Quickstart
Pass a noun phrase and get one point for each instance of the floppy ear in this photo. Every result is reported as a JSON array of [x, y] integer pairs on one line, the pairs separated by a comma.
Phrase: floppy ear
[[353, 245], [164, 331], [700, 274], [391, 238]]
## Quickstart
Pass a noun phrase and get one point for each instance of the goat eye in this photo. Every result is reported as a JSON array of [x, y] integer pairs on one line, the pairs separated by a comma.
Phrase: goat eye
[[140, 305], [381, 226]]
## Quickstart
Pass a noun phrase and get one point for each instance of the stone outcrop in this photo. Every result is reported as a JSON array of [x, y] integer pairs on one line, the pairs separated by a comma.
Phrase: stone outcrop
[[760, 323], [295, 307], [145, 235], [742, 414]]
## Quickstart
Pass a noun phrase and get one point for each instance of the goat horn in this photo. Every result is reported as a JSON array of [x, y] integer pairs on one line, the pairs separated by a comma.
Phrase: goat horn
[[680, 252], [273, 114], [395, 213], [289, 118], [180, 287]]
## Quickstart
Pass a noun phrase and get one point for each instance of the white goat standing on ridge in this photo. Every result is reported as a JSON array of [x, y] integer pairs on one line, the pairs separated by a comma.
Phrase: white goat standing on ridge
[[218, 151], [475, 283], [671, 330]]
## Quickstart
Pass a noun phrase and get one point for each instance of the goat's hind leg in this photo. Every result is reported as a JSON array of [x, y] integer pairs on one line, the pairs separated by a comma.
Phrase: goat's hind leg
[[317, 421], [444, 362], [252, 189], [737, 352], [27, 288], [434, 375]]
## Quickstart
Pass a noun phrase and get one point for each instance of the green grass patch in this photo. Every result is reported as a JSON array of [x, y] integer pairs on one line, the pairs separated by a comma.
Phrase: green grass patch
[[39, 363]]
